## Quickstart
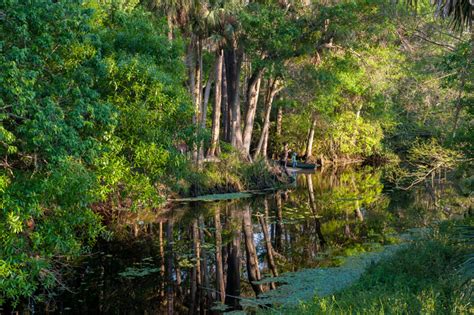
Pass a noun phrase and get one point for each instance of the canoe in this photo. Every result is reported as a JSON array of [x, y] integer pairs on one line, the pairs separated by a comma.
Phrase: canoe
[[302, 165]]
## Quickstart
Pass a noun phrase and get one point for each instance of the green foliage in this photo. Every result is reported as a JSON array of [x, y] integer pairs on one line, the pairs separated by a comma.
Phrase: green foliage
[[92, 102], [354, 136], [420, 278]]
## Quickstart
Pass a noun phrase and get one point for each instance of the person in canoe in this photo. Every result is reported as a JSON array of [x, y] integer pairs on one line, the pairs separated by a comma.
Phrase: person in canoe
[[294, 163]]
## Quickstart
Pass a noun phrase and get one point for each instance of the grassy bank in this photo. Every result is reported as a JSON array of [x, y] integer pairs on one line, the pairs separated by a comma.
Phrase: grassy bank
[[425, 277], [229, 174]]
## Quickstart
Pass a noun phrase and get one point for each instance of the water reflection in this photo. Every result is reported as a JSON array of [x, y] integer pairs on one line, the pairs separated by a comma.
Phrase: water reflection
[[202, 258]]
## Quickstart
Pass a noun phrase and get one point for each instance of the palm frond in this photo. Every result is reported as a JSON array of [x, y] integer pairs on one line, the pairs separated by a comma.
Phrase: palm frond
[[459, 11]]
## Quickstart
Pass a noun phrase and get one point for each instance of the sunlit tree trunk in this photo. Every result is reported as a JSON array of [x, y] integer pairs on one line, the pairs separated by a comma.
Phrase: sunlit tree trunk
[[216, 117], [272, 89], [207, 94], [169, 20], [253, 91], [309, 145], [252, 259], [279, 121]]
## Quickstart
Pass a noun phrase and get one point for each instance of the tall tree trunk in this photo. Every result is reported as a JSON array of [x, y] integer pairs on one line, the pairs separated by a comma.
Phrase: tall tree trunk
[[272, 90], [265, 145], [309, 144], [252, 259], [216, 117], [191, 68], [197, 94], [279, 121], [225, 105], [207, 94], [233, 61], [169, 20], [219, 262], [253, 92]]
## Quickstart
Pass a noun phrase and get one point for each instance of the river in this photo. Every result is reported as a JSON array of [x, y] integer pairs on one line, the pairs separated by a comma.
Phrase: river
[[205, 256]]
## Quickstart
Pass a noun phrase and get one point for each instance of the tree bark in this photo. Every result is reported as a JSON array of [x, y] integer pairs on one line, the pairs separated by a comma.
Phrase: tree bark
[[207, 94], [216, 117], [225, 105], [279, 121], [253, 92], [169, 20], [233, 61], [309, 145], [273, 87]]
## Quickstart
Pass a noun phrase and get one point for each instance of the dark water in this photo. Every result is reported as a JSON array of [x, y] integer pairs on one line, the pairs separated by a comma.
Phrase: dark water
[[198, 254]]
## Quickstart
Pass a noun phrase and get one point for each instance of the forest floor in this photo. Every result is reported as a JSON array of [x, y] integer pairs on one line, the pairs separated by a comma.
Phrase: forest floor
[[424, 276]]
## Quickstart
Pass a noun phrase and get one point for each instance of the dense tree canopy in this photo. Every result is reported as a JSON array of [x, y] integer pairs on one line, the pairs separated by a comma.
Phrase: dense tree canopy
[[116, 105]]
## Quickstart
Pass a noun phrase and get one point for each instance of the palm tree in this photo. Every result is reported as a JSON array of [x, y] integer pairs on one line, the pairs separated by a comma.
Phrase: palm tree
[[459, 11]]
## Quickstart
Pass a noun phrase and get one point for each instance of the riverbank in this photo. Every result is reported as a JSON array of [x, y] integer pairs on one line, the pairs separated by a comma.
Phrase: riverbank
[[425, 277], [228, 175]]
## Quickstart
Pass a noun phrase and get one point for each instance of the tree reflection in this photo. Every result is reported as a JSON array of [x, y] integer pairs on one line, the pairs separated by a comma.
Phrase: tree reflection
[[199, 250]]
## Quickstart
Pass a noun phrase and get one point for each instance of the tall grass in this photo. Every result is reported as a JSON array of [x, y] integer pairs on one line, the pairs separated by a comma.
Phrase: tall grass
[[422, 278]]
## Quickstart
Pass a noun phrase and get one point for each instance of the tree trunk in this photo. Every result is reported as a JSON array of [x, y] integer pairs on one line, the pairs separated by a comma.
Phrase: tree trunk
[[272, 90], [253, 92], [214, 147], [194, 63], [279, 121], [225, 105], [207, 93], [309, 145], [169, 20], [265, 145], [252, 259], [233, 61]]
